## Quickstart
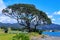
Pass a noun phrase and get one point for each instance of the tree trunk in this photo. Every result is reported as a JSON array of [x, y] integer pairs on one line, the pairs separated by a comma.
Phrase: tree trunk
[[35, 29], [28, 25]]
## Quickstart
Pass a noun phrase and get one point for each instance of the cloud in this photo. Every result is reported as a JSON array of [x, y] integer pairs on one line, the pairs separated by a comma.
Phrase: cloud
[[50, 16], [47, 13], [54, 16], [2, 5], [5, 19], [57, 13], [53, 19]]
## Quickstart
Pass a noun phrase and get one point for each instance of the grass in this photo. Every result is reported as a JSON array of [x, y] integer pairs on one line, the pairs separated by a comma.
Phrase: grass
[[34, 34], [9, 36], [6, 36]]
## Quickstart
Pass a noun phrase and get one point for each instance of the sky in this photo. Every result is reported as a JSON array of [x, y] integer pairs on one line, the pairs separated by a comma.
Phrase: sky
[[50, 7]]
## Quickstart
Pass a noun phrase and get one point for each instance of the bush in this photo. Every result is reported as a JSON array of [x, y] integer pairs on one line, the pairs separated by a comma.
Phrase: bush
[[37, 31], [21, 36], [5, 29], [40, 31]]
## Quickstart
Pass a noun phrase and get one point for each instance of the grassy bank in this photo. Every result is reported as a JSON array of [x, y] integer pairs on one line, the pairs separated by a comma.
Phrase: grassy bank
[[11, 34], [7, 36], [4, 36]]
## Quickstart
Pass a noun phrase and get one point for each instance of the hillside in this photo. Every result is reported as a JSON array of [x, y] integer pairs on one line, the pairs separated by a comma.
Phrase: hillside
[[45, 27]]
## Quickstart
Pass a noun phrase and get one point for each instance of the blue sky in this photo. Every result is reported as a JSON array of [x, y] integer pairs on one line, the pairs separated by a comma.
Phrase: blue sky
[[51, 7]]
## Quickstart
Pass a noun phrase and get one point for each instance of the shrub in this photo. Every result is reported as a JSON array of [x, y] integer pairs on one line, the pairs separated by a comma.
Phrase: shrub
[[21, 36], [5, 29], [40, 31]]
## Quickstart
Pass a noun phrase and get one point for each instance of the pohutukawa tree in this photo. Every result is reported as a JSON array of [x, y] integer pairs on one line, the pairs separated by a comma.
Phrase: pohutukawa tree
[[25, 14]]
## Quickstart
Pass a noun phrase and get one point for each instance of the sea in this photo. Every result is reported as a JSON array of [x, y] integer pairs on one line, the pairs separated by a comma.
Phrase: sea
[[56, 34]]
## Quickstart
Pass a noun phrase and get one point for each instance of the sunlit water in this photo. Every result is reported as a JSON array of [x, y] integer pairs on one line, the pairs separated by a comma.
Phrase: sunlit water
[[57, 34]]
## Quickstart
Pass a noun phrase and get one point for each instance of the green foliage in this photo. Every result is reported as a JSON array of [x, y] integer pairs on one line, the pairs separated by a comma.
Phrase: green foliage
[[5, 29], [49, 20], [37, 31], [5, 11], [12, 28], [21, 36], [40, 32], [27, 9], [30, 9]]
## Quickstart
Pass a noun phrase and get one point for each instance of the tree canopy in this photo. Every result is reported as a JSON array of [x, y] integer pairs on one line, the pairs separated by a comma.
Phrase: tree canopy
[[26, 12]]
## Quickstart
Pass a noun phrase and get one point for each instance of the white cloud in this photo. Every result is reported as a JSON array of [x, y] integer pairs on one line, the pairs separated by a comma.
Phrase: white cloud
[[57, 13], [5, 19], [53, 22], [54, 16], [53, 19], [47, 13], [2, 5], [50, 16]]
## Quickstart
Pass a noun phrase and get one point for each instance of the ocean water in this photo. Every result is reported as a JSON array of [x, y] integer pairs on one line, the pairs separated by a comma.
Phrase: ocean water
[[57, 34]]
